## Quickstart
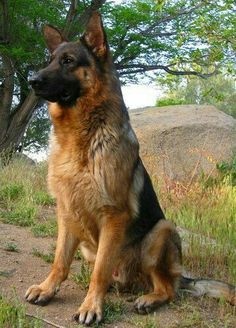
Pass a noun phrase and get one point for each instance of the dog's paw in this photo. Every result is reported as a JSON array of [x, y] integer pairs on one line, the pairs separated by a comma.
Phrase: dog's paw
[[148, 303], [88, 313], [39, 295]]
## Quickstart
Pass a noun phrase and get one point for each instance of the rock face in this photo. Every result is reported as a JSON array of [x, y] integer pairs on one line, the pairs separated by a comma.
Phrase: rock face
[[181, 142]]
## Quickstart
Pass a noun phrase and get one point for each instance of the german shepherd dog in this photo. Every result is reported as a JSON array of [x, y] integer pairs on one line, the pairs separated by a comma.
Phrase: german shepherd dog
[[106, 204]]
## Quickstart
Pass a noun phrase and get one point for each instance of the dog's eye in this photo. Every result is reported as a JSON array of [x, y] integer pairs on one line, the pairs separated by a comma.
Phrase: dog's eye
[[67, 60]]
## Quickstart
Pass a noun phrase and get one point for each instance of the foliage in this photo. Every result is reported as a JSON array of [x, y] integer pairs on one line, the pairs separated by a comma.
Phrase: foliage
[[169, 101], [183, 37], [36, 136], [177, 37], [219, 90]]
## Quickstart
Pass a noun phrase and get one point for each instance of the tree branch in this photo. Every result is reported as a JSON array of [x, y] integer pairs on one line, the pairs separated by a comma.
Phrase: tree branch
[[50, 323], [185, 11], [140, 68], [70, 17], [83, 18]]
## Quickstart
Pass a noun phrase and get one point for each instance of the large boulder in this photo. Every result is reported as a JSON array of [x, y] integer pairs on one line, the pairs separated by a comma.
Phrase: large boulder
[[181, 142]]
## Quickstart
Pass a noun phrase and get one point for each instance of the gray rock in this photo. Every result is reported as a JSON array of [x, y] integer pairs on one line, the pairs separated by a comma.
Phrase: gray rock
[[181, 142]]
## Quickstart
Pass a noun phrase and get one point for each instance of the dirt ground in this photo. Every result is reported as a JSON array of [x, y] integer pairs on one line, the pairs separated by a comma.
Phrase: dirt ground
[[21, 269]]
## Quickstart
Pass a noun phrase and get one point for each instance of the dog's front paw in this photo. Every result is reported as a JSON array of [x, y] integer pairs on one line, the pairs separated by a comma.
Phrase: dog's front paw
[[36, 294], [90, 311]]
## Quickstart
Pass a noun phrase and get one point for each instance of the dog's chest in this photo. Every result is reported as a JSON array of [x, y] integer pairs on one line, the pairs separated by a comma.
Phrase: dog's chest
[[81, 180]]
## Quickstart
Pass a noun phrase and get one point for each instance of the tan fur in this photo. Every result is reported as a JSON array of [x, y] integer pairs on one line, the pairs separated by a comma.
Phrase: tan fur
[[96, 176]]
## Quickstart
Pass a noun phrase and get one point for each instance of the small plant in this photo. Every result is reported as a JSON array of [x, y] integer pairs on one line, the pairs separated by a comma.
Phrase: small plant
[[83, 277], [48, 258], [11, 247]]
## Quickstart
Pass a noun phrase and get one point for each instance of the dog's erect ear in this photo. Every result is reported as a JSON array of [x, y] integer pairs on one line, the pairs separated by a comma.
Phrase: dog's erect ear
[[94, 35], [53, 37]]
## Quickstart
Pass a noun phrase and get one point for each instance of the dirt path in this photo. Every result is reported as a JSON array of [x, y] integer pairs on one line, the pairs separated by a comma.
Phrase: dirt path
[[21, 269]]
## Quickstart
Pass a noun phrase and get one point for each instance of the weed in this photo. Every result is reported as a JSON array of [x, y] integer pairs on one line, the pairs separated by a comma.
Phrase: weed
[[11, 247], [49, 258]]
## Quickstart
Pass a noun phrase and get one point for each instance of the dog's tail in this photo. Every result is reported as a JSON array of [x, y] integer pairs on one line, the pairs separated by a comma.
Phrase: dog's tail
[[211, 288]]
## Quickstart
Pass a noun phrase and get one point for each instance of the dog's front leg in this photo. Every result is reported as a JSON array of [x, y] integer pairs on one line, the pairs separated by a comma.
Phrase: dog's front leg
[[110, 242], [67, 243]]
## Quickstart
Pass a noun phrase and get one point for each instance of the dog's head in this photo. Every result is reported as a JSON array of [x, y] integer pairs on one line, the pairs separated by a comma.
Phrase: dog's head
[[74, 66]]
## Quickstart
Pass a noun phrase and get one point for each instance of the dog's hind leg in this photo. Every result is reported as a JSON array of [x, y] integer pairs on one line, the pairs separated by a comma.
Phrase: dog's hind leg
[[67, 243], [161, 262]]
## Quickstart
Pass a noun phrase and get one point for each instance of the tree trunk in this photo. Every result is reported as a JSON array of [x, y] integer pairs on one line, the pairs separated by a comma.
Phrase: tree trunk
[[13, 123], [18, 123], [6, 94]]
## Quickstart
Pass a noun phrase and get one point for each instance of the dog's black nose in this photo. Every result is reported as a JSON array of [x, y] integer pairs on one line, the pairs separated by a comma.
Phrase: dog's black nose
[[36, 81]]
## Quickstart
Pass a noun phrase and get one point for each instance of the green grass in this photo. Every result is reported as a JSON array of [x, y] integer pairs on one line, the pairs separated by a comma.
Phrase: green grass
[[78, 255], [47, 229], [13, 315], [43, 198], [22, 215], [11, 247], [23, 196], [83, 277], [47, 257], [114, 310], [11, 192], [205, 209], [144, 321], [208, 213]]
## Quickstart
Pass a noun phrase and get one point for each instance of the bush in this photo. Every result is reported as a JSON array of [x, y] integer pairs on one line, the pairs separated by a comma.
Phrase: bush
[[169, 102]]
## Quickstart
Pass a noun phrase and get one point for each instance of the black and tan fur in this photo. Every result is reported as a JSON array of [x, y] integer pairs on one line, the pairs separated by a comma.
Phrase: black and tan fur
[[106, 204]]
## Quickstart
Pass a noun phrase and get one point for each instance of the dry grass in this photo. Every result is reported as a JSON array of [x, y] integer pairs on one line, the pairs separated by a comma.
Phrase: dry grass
[[205, 210]]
